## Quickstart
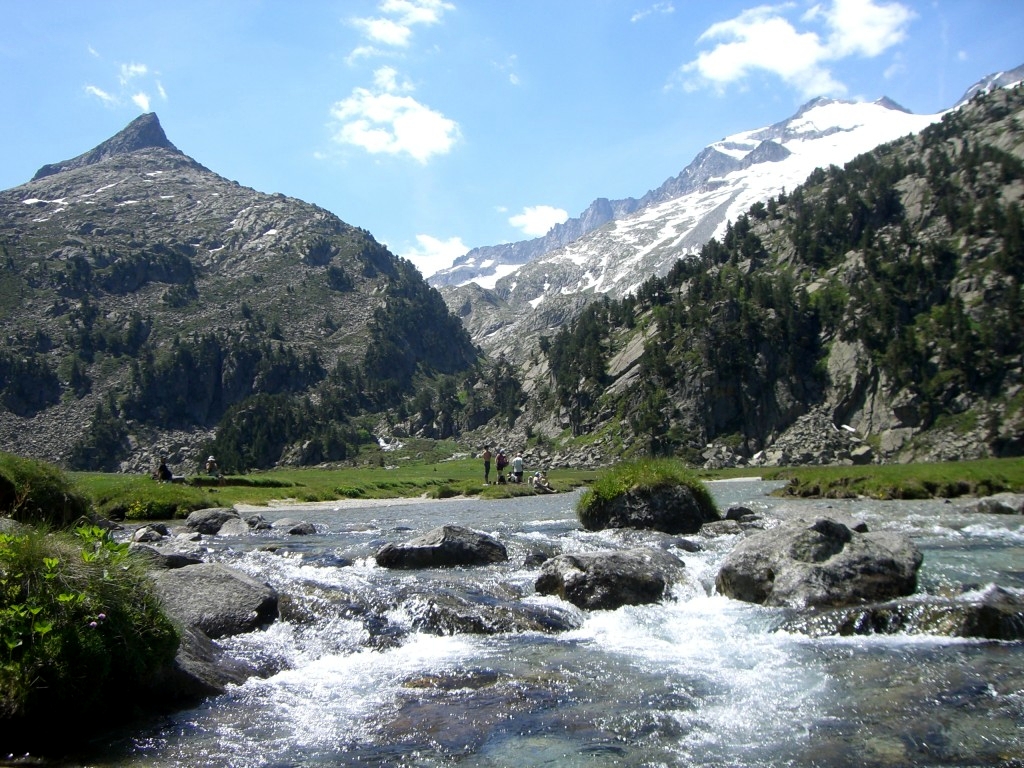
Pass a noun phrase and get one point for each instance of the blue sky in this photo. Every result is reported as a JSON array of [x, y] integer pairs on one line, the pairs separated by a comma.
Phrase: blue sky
[[441, 125]]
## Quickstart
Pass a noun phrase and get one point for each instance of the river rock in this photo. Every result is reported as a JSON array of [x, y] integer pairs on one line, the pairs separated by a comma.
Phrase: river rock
[[669, 509], [820, 563], [609, 580], [993, 614], [999, 504], [162, 559], [294, 527], [200, 669], [209, 521], [451, 611], [448, 545], [218, 600]]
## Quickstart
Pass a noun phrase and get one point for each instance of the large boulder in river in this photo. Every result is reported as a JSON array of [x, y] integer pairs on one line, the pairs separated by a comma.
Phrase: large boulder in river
[[999, 504], [449, 545], [218, 600], [609, 580], [209, 521], [677, 508], [819, 563]]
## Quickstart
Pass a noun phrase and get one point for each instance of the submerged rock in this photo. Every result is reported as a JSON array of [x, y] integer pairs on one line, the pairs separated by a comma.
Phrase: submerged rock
[[450, 612], [994, 614], [820, 563], [449, 545], [609, 580]]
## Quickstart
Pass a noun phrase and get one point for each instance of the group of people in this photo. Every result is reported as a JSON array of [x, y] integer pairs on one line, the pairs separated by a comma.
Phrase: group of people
[[539, 481], [164, 475]]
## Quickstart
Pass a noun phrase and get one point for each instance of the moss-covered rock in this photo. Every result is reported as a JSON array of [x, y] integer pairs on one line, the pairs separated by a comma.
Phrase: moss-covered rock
[[655, 495]]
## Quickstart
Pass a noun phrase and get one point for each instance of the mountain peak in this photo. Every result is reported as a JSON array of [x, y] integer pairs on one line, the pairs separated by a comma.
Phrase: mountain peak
[[888, 103], [144, 132]]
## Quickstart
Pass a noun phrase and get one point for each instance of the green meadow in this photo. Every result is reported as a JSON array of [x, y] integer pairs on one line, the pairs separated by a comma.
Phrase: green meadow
[[139, 497]]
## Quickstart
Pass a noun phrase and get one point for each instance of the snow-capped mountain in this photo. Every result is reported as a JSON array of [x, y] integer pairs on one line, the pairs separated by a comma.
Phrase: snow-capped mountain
[[737, 171], [673, 221], [990, 83], [751, 166]]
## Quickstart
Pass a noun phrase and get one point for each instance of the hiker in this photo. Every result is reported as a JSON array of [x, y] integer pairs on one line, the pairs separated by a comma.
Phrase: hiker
[[500, 462], [517, 467], [487, 464]]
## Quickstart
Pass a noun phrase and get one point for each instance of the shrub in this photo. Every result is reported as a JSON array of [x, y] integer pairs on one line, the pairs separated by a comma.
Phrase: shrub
[[80, 631]]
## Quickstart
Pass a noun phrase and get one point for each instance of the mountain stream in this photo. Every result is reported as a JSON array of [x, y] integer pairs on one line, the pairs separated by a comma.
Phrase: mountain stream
[[698, 679]]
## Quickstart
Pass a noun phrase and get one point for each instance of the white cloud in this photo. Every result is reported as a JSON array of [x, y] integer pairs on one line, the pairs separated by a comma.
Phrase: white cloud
[[100, 94], [764, 39], [384, 121], [864, 28], [386, 79], [657, 8], [537, 220], [142, 101], [131, 71], [433, 254], [385, 31], [394, 28]]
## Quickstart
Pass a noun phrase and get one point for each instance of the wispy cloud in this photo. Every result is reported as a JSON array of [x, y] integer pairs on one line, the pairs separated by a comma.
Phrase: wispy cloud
[[656, 9], [100, 94], [135, 83], [131, 71], [387, 120], [798, 51], [537, 220]]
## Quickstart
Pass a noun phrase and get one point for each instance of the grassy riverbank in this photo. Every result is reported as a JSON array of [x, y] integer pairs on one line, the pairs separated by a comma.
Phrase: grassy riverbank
[[139, 497], [904, 481]]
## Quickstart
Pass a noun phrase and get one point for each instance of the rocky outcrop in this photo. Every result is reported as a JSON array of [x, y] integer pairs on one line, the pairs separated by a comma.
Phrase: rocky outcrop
[[609, 580], [669, 509], [819, 563], [449, 545]]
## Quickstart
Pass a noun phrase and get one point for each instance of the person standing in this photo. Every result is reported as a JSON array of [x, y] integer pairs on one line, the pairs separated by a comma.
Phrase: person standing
[[517, 467], [487, 464], [500, 462]]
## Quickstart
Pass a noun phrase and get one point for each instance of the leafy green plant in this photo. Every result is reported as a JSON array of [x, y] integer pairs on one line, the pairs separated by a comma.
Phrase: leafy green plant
[[79, 625]]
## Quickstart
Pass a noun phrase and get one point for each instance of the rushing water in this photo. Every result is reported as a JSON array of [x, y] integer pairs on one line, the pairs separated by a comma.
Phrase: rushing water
[[697, 680]]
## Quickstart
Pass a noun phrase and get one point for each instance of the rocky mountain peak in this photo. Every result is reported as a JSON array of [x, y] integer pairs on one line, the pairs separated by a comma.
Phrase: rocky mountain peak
[[144, 132]]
